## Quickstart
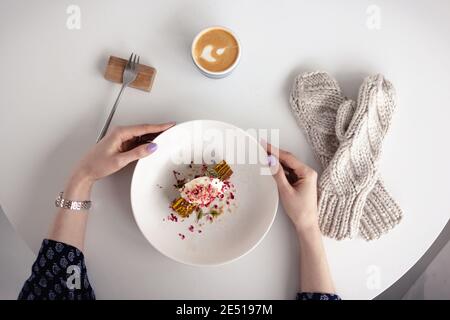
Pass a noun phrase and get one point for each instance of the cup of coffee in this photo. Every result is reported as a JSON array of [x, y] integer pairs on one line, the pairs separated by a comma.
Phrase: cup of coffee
[[216, 51]]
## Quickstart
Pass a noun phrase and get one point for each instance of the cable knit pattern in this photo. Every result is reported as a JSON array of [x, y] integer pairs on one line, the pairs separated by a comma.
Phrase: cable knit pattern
[[346, 137]]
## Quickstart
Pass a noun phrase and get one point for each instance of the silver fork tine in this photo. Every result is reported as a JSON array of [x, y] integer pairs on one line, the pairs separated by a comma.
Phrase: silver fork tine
[[134, 63], [129, 61]]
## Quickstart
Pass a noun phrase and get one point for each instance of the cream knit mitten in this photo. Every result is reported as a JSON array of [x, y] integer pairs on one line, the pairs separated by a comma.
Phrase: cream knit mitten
[[346, 138]]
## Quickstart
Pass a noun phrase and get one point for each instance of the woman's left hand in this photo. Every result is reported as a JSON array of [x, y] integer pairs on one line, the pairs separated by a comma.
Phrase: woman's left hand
[[113, 152]]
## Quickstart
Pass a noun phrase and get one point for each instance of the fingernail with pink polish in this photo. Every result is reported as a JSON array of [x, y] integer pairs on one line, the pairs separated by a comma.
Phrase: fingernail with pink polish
[[152, 147]]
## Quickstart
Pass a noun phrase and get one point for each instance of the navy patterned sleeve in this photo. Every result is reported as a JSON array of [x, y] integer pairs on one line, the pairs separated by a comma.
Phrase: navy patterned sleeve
[[59, 273], [317, 296]]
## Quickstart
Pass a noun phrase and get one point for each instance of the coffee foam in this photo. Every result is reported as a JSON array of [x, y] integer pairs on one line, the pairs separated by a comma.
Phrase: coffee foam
[[216, 49]]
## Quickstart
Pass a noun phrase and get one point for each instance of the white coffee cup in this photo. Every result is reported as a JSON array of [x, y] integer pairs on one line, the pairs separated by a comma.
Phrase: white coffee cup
[[205, 71]]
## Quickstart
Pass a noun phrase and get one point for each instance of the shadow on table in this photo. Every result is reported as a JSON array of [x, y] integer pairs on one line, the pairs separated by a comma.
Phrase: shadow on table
[[401, 286]]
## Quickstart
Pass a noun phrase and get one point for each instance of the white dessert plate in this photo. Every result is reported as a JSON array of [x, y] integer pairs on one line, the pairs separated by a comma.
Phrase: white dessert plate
[[232, 234]]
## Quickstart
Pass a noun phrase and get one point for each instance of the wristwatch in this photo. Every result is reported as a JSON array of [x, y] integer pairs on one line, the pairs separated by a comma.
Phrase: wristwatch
[[60, 202]]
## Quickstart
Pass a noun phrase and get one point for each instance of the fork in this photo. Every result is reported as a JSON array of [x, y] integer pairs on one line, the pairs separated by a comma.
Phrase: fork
[[129, 75]]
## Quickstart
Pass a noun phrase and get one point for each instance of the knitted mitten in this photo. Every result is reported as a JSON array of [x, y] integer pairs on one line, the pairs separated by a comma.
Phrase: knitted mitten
[[315, 100]]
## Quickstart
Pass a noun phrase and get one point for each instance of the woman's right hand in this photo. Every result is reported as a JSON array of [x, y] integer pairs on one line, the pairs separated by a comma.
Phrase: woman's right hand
[[116, 150], [297, 185]]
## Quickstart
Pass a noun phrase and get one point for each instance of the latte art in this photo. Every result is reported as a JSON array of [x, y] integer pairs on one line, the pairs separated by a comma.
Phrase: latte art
[[216, 50], [207, 53]]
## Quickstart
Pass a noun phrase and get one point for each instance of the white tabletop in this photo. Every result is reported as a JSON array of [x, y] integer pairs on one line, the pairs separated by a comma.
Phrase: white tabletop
[[54, 100]]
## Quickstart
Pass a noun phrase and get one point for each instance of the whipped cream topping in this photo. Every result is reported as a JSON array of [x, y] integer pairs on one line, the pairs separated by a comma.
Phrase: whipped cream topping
[[202, 191]]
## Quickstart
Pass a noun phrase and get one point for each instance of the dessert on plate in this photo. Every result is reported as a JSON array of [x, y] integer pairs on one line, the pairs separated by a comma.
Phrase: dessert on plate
[[208, 194]]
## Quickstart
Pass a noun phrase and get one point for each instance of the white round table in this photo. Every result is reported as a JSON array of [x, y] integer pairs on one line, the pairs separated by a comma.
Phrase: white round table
[[54, 100]]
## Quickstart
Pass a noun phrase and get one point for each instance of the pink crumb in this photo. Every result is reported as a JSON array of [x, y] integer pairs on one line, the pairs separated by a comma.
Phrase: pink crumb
[[191, 228], [182, 236]]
